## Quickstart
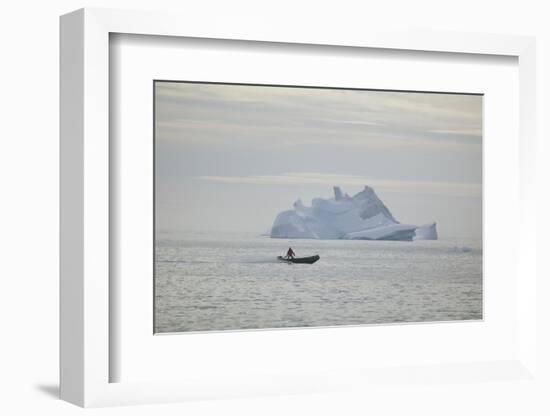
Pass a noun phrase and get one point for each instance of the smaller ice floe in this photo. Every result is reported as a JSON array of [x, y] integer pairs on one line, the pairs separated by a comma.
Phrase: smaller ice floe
[[426, 232]]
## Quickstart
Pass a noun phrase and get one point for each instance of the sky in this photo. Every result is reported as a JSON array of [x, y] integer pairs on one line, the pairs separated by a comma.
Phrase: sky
[[231, 157]]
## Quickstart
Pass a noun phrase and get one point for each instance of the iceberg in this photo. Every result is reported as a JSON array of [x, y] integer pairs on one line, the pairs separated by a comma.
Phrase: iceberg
[[360, 217]]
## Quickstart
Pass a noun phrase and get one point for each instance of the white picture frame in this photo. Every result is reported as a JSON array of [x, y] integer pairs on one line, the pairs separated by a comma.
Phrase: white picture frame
[[85, 221]]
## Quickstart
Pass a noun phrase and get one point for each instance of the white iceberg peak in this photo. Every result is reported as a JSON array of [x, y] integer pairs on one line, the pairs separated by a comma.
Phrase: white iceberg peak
[[298, 204], [338, 193]]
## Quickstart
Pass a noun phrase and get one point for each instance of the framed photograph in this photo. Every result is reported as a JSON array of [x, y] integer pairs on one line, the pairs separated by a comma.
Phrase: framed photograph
[[312, 204], [234, 164]]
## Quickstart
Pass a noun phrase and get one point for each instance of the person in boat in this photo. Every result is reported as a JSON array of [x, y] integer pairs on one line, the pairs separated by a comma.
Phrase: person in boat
[[290, 253]]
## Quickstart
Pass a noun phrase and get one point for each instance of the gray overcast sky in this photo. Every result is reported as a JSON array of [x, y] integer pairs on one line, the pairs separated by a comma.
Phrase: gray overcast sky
[[230, 157]]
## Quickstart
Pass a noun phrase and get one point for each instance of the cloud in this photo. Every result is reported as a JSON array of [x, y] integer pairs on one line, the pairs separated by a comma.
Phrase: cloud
[[476, 132], [355, 122], [212, 113], [332, 179]]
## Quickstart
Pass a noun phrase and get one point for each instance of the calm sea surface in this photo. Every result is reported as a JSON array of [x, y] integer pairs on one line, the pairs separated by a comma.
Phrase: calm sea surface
[[233, 281]]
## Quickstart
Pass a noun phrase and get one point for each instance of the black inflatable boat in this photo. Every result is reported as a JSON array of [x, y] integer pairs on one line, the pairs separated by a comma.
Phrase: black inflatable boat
[[307, 260]]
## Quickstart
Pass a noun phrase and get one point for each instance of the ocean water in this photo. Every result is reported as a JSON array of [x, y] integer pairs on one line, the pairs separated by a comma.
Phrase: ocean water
[[226, 281]]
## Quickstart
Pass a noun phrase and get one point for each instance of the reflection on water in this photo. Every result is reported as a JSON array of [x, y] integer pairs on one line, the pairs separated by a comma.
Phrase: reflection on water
[[234, 281]]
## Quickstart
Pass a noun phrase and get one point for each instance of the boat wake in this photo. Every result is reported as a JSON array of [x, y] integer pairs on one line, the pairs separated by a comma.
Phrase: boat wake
[[241, 260], [260, 259], [183, 261]]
